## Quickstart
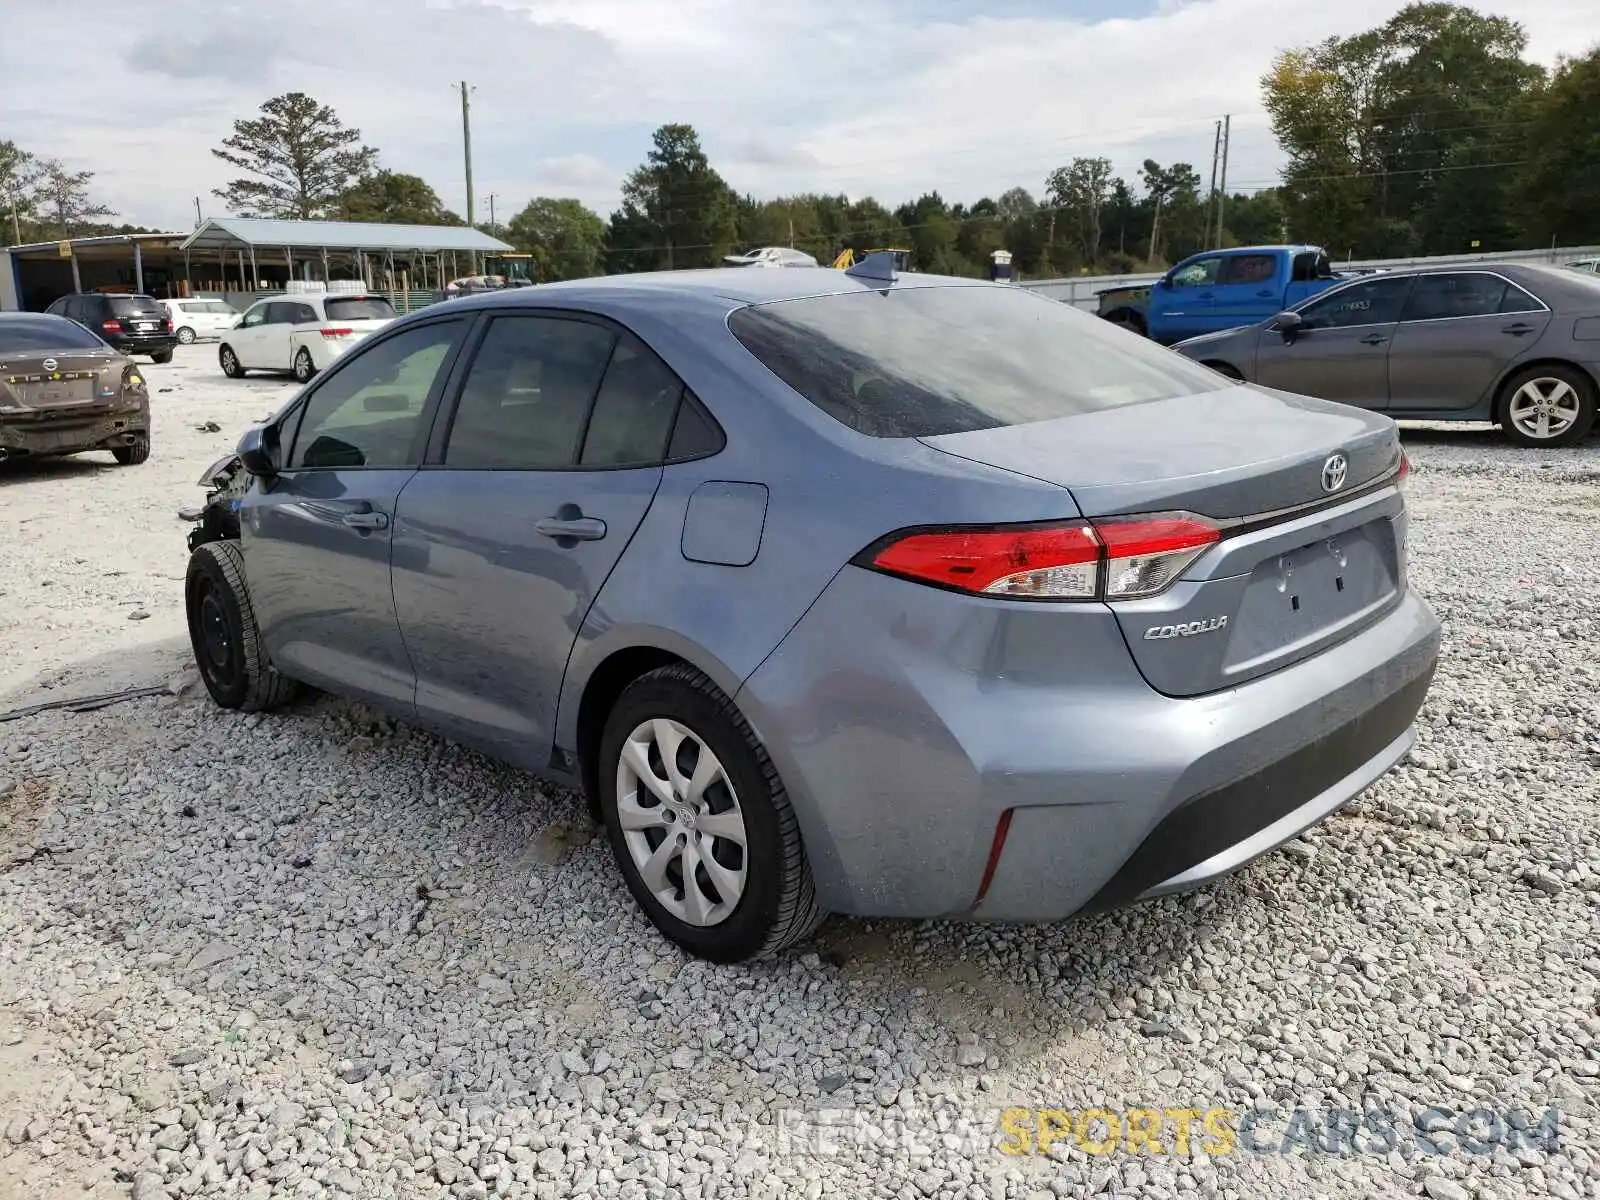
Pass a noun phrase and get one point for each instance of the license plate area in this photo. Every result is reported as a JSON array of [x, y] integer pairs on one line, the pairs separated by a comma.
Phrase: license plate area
[[1300, 593]]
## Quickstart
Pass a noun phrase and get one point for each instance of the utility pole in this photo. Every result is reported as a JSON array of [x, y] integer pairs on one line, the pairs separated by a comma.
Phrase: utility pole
[[466, 147], [1155, 227], [1211, 196], [1222, 194], [198, 219], [491, 215]]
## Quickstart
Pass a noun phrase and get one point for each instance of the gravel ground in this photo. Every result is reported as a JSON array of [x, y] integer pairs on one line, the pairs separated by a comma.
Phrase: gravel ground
[[316, 953]]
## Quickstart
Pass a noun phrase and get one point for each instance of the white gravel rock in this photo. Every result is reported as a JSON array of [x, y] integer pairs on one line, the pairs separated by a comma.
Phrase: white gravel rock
[[316, 953]]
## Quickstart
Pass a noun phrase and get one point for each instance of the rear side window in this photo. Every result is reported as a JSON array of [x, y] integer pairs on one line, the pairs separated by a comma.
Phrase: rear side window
[[24, 335], [354, 308], [633, 413], [919, 362], [1248, 268], [1469, 294], [526, 397]]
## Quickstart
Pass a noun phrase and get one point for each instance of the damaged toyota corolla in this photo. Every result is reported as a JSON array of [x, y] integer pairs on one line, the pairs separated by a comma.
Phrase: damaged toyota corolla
[[64, 391], [836, 591]]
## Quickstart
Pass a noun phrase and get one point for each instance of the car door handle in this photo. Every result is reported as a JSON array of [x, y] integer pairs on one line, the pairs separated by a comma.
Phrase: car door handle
[[1516, 330], [365, 520], [1375, 339], [583, 529], [1265, 294], [1206, 296]]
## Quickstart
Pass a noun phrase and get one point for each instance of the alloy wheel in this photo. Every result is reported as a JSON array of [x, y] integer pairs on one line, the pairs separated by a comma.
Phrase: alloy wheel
[[681, 822], [1543, 408]]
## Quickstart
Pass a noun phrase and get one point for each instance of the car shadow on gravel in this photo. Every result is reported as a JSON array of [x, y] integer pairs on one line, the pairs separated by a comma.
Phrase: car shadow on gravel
[[26, 468]]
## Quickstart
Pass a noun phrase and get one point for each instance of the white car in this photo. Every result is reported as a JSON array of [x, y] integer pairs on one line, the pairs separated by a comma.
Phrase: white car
[[771, 256], [1586, 264], [301, 334], [200, 320]]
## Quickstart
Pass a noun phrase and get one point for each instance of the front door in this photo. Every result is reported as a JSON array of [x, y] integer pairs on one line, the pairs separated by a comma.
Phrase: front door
[[1459, 331], [1181, 303], [1341, 349], [503, 542], [317, 536], [247, 337]]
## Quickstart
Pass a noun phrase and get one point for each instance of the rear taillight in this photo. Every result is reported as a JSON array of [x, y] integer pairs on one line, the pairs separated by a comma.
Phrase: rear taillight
[[1404, 472], [1122, 558], [337, 333], [1145, 554], [166, 324], [111, 326]]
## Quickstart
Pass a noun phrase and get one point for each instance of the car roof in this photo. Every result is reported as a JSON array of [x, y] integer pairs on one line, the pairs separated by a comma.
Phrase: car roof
[[719, 288], [18, 318]]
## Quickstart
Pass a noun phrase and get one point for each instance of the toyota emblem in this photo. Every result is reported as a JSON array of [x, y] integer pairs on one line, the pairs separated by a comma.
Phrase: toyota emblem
[[49, 364], [1334, 472]]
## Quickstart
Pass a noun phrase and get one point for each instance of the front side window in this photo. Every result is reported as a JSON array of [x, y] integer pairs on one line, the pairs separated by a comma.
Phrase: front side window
[[369, 412], [1374, 301], [1248, 268], [526, 396], [1201, 273], [255, 316], [925, 361]]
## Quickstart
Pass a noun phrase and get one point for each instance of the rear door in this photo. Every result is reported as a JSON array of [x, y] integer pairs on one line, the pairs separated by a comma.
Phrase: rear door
[[1458, 333], [539, 478], [1341, 349], [317, 536], [1249, 289]]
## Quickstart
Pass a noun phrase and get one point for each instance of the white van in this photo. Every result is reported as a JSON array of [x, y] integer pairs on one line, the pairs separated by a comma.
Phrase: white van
[[198, 320]]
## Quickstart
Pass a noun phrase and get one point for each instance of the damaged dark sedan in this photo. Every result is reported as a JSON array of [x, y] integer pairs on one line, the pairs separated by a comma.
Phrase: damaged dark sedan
[[65, 391]]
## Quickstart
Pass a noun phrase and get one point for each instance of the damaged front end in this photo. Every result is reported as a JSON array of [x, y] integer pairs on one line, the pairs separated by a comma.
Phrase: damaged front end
[[217, 519]]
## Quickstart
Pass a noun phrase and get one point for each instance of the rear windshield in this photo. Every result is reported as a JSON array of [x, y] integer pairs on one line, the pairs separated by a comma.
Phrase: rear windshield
[[24, 335], [351, 308], [136, 304], [919, 362]]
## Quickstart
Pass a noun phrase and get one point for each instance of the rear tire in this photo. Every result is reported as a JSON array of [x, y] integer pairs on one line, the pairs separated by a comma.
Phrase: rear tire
[[162, 357], [230, 362], [1548, 406], [135, 453], [750, 900], [186, 336], [222, 630], [304, 369]]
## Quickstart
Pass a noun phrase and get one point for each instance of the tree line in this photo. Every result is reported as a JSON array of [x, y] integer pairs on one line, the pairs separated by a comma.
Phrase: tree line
[[1428, 134]]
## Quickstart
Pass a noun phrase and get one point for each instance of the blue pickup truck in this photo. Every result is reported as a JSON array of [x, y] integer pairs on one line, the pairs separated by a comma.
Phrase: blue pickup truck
[[1221, 289]]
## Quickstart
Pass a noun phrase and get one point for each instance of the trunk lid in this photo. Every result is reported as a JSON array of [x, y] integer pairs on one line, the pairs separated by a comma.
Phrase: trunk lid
[[1301, 566], [36, 383]]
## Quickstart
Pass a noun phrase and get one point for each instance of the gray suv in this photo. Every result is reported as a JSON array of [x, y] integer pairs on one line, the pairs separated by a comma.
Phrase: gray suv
[[846, 592]]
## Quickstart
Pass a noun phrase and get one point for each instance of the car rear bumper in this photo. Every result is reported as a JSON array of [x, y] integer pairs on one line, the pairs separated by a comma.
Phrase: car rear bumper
[[948, 756], [143, 343], [69, 434]]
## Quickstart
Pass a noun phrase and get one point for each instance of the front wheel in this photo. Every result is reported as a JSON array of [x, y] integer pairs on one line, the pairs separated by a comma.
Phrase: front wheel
[[231, 367], [1548, 406], [304, 368], [222, 630], [186, 336], [699, 821]]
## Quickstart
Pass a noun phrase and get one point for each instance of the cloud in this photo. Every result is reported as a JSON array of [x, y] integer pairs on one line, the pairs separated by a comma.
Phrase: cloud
[[881, 97]]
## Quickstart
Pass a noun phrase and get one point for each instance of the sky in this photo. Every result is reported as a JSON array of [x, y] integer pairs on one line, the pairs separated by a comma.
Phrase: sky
[[889, 98]]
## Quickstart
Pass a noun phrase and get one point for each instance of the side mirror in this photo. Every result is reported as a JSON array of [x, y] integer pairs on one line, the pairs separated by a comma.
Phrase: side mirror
[[1165, 283], [1290, 324], [258, 450]]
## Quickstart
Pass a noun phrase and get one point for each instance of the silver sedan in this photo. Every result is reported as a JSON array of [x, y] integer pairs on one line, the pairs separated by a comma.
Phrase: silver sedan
[[1515, 344]]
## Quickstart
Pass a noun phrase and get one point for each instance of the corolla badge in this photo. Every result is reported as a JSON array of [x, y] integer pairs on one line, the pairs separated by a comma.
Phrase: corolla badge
[[1334, 472], [1158, 633]]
